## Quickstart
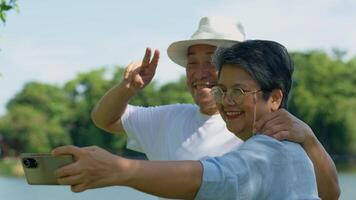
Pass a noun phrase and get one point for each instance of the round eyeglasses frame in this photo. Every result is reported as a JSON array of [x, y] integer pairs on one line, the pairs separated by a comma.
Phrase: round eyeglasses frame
[[234, 94]]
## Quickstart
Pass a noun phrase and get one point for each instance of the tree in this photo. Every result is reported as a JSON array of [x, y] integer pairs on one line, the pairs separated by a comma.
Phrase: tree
[[43, 116], [85, 91], [6, 6], [175, 92], [324, 96], [35, 121]]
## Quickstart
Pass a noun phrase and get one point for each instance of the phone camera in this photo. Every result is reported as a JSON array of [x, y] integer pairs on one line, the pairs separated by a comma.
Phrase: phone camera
[[29, 162]]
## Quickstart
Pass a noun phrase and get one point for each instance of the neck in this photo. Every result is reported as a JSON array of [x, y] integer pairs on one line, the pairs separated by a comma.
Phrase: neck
[[209, 111], [245, 134], [245, 137]]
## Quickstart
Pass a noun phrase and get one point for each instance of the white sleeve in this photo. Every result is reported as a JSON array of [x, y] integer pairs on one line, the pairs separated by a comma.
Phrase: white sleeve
[[141, 125]]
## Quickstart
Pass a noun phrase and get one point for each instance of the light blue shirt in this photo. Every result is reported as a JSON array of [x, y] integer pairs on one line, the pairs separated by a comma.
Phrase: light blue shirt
[[262, 168]]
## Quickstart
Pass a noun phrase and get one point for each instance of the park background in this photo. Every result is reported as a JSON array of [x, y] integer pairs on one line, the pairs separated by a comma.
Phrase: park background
[[58, 58]]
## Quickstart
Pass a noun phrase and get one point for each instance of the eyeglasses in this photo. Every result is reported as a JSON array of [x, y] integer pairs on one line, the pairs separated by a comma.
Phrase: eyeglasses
[[234, 94]]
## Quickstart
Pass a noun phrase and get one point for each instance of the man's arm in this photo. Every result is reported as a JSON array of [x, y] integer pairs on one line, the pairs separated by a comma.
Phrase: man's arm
[[324, 167], [94, 167], [282, 125], [109, 110]]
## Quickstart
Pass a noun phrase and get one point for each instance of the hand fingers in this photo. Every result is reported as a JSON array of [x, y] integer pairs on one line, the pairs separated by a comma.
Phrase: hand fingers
[[151, 68], [274, 129], [282, 114], [78, 188], [283, 135], [90, 148], [137, 79], [132, 70], [264, 119], [68, 170], [272, 123], [139, 83], [128, 70], [146, 59], [65, 150], [155, 58], [136, 67], [152, 64], [70, 180]]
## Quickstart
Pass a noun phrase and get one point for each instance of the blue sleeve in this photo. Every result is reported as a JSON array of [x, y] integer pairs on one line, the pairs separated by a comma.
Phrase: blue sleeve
[[242, 174], [216, 183], [261, 168]]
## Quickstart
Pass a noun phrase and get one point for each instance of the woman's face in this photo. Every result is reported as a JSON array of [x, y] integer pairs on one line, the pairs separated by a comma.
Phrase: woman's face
[[238, 112]]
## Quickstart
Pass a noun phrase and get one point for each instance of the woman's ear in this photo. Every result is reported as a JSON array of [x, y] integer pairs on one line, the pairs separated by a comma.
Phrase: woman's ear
[[275, 99]]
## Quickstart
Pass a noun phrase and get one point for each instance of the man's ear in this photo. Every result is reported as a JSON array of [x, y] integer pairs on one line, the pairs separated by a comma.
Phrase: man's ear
[[275, 99]]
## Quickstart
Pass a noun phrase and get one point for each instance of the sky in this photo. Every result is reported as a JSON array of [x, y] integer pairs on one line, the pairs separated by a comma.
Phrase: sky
[[52, 41]]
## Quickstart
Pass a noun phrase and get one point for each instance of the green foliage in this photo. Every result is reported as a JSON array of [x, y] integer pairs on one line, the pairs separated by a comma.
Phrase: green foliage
[[6, 6], [10, 167], [49, 99], [175, 92], [324, 96], [27, 129], [85, 91], [43, 116], [36, 118]]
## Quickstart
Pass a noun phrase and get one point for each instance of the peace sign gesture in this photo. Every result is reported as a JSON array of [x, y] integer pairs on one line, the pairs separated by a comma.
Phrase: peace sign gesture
[[139, 74]]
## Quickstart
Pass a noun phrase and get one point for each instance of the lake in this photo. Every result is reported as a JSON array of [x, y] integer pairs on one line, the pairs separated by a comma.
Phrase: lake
[[18, 189]]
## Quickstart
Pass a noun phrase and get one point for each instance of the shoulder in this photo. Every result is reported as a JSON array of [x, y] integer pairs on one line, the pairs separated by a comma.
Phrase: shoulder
[[273, 150], [265, 150], [261, 142], [169, 107]]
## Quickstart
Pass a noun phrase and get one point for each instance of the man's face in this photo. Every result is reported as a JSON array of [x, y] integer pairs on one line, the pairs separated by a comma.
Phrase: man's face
[[201, 76]]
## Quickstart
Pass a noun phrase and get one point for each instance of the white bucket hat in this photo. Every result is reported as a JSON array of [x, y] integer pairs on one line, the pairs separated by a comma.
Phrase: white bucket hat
[[217, 31]]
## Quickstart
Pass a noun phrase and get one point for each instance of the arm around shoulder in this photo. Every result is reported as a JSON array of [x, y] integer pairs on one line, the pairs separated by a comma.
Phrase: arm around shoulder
[[324, 167]]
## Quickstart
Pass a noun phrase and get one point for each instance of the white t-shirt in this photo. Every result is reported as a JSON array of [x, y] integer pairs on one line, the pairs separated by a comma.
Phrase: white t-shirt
[[262, 168], [177, 132]]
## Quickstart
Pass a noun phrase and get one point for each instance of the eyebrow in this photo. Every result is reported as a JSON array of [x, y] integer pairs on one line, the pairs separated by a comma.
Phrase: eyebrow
[[235, 85], [207, 53]]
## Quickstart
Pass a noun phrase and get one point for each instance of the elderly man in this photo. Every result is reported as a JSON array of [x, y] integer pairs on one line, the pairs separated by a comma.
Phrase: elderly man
[[192, 132]]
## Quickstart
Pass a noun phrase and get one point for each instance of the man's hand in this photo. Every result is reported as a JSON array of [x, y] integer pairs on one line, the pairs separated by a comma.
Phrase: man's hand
[[282, 125], [93, 168], [139, 74]]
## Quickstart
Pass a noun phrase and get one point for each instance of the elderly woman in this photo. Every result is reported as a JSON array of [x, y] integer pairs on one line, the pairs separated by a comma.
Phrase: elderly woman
[[254, 79]]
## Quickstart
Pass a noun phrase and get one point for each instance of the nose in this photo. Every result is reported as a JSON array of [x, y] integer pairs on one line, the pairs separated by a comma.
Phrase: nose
[[227, 100], [200, 71]]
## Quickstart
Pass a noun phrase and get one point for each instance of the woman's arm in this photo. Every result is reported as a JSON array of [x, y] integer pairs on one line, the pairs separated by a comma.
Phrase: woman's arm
[[94, 167]]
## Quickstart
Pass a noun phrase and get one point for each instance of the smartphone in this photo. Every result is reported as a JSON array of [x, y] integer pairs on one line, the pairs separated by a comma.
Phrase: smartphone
[[39, 168]]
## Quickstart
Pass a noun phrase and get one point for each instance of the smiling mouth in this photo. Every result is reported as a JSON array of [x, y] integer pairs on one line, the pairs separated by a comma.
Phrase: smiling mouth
[[202, 85], [233, 114]]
